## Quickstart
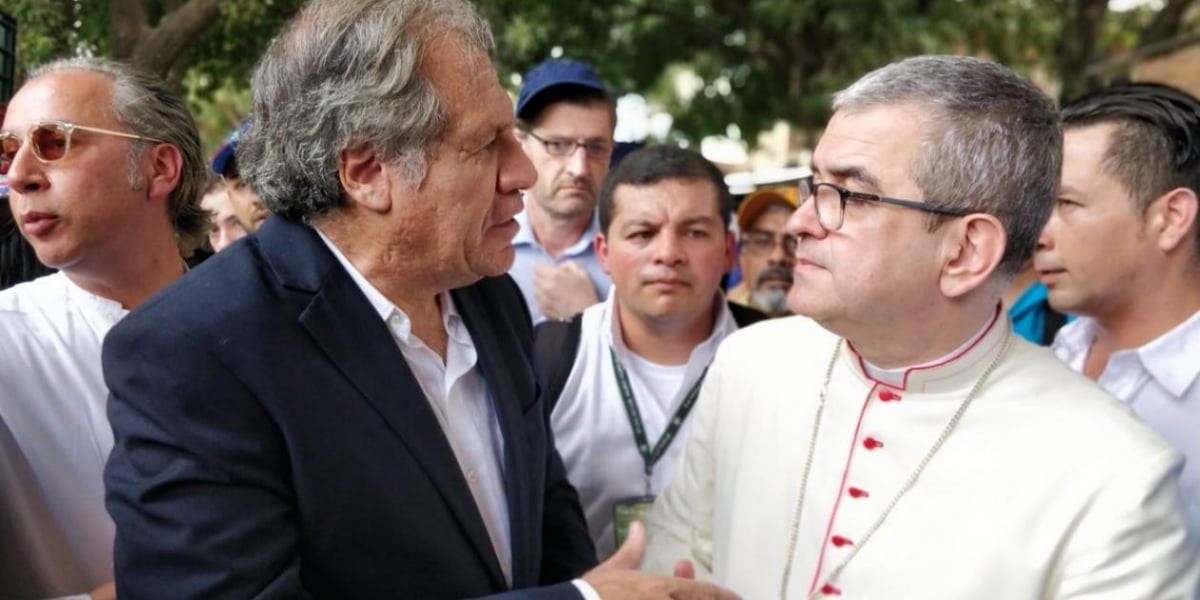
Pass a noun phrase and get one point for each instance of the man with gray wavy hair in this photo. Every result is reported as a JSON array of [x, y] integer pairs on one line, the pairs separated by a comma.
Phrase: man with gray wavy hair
[[360, 419], [105, 169], [894, 439]]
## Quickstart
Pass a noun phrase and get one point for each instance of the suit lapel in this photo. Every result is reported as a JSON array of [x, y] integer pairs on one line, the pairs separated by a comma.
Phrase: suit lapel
[[345, 326]]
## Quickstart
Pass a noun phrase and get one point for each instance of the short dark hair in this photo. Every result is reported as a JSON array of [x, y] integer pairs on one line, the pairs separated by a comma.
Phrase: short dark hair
[[990, 141], [1156, 145], [567, 94], [652, 164]]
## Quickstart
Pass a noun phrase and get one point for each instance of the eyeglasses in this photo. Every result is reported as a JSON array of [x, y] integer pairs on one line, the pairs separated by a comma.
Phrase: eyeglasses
[[566, 147], [763, 242], [830, 203], [50, 141]]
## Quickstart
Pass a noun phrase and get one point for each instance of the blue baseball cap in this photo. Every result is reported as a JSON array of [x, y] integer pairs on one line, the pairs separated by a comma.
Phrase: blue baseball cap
[[224, 154], [552, 74]]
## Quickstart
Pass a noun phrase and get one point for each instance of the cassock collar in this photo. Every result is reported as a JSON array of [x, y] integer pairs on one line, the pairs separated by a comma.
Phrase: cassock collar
[[957, 372]]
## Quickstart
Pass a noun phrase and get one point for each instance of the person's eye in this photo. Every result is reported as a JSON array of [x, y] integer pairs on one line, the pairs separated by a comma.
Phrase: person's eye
[[561, 146]]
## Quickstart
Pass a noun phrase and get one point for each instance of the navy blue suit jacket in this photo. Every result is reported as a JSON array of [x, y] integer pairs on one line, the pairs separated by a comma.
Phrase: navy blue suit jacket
[[271, 442]]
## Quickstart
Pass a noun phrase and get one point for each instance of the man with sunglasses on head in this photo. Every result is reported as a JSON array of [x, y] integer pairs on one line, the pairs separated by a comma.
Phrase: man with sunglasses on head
[[895, 438], [565, 121], [105, 171]]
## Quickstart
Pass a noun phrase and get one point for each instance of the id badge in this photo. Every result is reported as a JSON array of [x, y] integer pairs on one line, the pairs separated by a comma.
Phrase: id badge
[[627, 511]]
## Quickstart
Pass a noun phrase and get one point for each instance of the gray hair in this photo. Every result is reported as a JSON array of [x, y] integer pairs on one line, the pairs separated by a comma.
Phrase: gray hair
[[142, 104], [991, 141], [346, 73]]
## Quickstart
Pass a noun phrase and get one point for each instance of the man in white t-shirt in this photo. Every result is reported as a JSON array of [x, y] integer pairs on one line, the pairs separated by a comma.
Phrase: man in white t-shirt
[[105, 170], [1122, 250], [621, 416]]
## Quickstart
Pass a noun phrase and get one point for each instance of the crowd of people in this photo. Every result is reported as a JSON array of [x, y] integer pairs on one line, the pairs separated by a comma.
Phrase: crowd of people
[[449, 346]]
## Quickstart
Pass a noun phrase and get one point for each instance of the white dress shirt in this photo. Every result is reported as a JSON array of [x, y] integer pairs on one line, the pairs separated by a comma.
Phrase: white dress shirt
[[591, 427], [460, 399], [55, 536], [529, 253], [1158, 381]]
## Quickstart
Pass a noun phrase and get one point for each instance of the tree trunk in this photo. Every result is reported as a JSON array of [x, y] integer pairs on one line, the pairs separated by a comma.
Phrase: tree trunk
[[1077, 49], [179, 29]]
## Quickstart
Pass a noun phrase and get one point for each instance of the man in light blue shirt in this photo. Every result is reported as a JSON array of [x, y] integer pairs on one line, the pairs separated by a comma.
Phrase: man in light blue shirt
[[565, 121]]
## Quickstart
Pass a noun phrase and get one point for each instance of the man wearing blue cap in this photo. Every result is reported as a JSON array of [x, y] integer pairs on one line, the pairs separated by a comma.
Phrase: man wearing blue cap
[[237, 210], [565, 121]]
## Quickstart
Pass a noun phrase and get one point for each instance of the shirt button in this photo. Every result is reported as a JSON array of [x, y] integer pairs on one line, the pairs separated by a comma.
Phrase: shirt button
[[472, 476], [840, 541], [872, 443], [857, 492], [889, 396], [829, 590]]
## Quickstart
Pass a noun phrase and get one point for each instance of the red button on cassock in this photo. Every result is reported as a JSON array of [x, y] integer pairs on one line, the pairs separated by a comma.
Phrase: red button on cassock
[[857, 492], [889, 396], [829, 590], [872, 443], [840, 541]]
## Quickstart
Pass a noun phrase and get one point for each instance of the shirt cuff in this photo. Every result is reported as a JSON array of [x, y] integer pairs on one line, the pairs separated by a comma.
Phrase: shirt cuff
[[586, 590]]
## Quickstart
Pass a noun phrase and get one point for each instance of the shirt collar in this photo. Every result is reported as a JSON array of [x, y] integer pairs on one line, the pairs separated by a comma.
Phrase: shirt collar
[[402, 325], [525, 236], [723, 325], [1171, 358], [100, 311]]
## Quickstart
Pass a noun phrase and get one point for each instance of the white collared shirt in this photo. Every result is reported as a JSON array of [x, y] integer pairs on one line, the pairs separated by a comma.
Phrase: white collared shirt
[[529, 252], [592, 430], [460, 399], [55, 536], [1158, 381]]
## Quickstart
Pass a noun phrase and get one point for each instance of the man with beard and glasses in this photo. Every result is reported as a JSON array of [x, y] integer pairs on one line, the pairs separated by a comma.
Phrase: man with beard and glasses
[[565, 121], [766, 251]]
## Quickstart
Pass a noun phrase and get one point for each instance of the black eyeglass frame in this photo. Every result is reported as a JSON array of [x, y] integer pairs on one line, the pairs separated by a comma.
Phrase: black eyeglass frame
[[785, 240], [588, 146], [807, 189]]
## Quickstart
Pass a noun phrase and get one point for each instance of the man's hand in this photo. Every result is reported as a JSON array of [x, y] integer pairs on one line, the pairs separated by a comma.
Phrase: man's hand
[[618, 578], [107, 591], [562, 291]]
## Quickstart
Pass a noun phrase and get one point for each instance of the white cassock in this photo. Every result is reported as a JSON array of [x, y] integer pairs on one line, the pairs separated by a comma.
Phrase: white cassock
[[1047, 488]]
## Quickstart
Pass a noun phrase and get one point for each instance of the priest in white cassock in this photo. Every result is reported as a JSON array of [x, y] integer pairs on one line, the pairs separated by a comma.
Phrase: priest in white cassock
[[895, 439]]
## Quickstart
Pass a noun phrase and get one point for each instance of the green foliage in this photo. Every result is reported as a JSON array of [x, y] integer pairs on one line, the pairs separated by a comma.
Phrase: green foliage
[[757, 61]]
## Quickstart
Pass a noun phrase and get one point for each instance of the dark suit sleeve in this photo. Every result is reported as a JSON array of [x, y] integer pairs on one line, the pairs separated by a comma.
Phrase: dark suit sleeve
[[197, 482]]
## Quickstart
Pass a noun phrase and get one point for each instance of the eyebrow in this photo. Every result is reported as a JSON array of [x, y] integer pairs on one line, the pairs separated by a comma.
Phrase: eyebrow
[[855, 173]]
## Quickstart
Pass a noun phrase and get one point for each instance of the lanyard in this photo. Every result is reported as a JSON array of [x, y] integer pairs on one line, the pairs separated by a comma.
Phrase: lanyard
[[650, 456]]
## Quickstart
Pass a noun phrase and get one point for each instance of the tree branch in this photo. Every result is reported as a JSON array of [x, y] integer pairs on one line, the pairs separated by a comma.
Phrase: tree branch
[[129, 22], [163, 45], [1166, 24]]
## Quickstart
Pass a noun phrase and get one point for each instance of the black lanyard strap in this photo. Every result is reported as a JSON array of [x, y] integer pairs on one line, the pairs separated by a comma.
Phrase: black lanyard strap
[[651, 456]]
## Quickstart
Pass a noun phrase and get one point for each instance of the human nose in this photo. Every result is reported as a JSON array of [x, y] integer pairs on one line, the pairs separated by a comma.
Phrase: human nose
[[779, 251], [805, 221], [668, 249], [577, 161], [1046, 237], [516, 170], [25, 170]]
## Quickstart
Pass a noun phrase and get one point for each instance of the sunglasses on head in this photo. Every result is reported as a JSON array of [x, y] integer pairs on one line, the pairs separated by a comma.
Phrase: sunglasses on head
[[50, 141]]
